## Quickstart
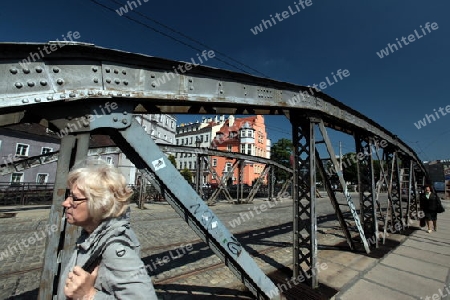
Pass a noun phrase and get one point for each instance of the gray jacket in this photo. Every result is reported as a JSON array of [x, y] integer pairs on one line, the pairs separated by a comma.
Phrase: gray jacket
[[121, 273]]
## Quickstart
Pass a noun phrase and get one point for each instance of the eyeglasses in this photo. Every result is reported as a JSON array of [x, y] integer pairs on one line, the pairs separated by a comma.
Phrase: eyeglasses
[[75, 201]]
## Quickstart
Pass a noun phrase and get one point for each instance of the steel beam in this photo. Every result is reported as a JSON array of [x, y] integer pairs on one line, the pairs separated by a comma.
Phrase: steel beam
[[394, 187], [305, 219], [366, 187], [347, 195], [82, 72], [142, 151]]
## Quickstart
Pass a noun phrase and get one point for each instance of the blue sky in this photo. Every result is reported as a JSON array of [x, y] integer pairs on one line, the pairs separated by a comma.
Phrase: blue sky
[[395, 91]]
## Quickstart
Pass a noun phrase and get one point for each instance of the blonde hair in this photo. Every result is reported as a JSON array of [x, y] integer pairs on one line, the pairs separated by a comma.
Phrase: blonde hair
[[103, 185]]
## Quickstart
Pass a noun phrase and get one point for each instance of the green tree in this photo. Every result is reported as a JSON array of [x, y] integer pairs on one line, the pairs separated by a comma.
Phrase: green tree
[[349, 161], [172, 160], [186, 174], [281, 153]]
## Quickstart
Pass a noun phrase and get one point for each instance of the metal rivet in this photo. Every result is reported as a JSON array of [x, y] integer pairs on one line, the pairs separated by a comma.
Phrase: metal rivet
[[26, 71], [60, 81], [191, 88], [96, 80], [18, 85], [128, 94], [30, 83], [108, 70], [99, 93], [125, 113], [190, 80], [37, 99], [13, 70], [220, 83], [72, 95], [117, 81], [95, 69], [125, 82], [119, 94], [43, 82], [221, 91], [49, 97], [115, 119], [153, 84], [116, 71], [55, 70], [152, 76], [90, 93], [124, 121], [62, 96], [108, 80], [124, 72], [38, 69], [24, 100]]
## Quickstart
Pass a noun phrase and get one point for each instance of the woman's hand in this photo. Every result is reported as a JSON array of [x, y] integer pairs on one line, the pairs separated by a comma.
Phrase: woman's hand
[[80, 284]]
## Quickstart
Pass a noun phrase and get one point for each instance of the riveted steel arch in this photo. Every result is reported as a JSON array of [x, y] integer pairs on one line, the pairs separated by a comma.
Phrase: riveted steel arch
[[82, 80]]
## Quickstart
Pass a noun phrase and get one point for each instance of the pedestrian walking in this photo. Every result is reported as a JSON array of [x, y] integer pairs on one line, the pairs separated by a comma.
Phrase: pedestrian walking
[[429, 203]]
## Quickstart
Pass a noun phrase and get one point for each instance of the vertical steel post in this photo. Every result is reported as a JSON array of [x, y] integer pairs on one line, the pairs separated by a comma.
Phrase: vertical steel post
[[366, 188], [305, 221], [59, 245]]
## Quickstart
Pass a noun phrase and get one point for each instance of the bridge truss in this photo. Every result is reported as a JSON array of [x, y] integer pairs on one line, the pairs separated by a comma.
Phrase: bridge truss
[[82, 90]]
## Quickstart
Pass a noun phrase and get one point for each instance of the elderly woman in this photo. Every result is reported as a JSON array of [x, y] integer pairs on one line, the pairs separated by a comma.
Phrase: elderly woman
[[106, 263], [429, 203]]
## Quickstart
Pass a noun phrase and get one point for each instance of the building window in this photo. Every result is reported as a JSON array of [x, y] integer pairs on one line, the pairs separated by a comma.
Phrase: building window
[[190, 140], [171, 124], [229, 148], [228, 167], [17, 177], [22, 149], [214, 162], [165, 137], [41, 178], [109, 160], [206, 137], [190, 165], [242, 148], [46, 150]]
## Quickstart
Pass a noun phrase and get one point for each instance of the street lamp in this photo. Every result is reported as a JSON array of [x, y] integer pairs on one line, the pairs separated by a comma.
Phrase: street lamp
[[198, 170]]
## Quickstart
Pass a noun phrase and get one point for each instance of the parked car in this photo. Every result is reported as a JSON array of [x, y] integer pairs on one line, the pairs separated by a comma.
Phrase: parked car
[[439, 186]]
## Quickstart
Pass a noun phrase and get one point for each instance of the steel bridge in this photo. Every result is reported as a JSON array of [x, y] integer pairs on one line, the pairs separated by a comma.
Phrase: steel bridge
[[82, 90]]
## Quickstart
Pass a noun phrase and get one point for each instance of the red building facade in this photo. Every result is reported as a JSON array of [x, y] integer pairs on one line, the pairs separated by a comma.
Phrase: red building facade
[[241, 135]]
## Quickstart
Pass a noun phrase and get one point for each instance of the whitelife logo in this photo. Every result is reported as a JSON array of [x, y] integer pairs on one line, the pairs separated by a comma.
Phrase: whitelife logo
[[411, 38]]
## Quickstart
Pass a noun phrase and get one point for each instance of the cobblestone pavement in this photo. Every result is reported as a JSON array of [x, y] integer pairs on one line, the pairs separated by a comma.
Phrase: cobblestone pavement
[[192, 270]]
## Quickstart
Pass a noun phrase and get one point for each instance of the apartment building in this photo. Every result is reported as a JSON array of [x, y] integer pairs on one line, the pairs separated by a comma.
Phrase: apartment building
[[200, 135], [22, 141], [243, 135]]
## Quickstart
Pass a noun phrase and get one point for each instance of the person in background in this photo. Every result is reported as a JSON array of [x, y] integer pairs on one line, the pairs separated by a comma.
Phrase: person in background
[[429, 204], [107, 251]]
